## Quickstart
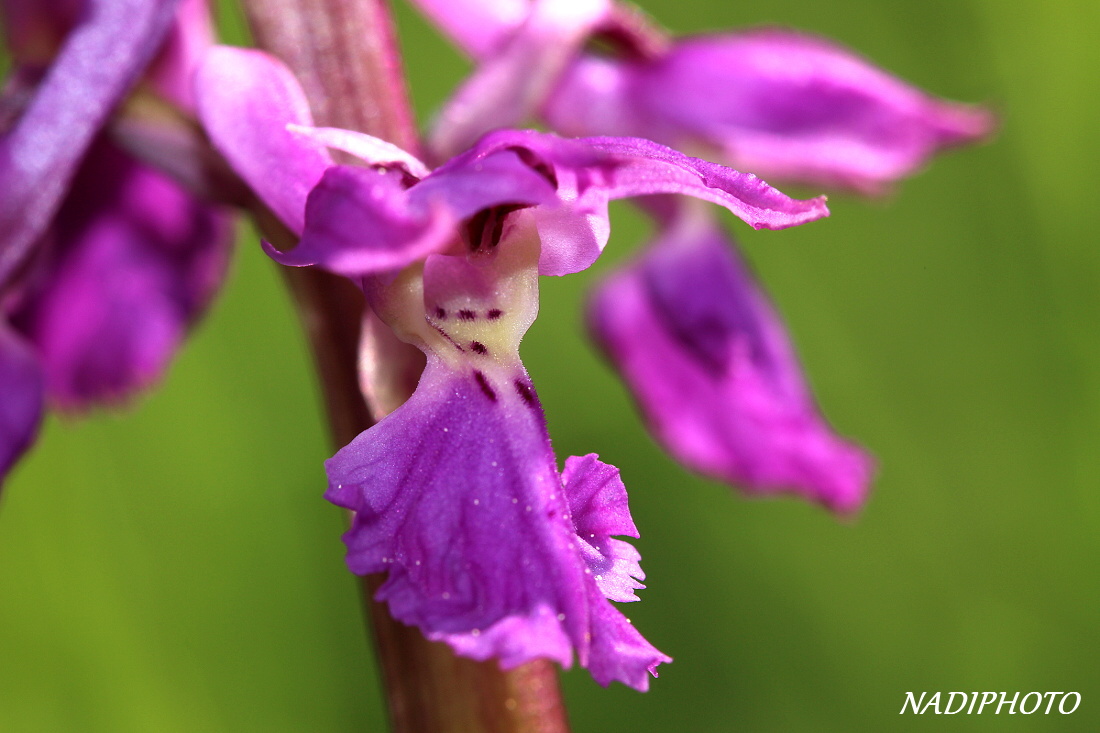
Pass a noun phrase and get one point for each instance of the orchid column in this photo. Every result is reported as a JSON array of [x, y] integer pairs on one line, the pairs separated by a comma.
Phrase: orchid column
[[346, 57]]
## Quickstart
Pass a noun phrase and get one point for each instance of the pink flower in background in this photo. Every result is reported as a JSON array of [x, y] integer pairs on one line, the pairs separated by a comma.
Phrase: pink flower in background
[[104, 261]]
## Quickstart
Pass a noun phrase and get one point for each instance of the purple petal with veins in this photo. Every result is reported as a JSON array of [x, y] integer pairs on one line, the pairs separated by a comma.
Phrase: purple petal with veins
[[457, 495], [714, 373], [778, 103], [589, 172], [361, 220], [457, 498]]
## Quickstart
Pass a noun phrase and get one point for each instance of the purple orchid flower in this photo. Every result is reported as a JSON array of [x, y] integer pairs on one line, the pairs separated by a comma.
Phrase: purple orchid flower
[[779, 103], [721, 390], [104, 261], [456, 494], [691, 333]]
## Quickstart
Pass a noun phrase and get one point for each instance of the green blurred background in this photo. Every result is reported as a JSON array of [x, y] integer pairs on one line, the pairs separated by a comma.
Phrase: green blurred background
[[174, 568]]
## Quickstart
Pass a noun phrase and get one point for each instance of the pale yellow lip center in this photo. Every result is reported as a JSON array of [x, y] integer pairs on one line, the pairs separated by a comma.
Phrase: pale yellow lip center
[[480, 323]]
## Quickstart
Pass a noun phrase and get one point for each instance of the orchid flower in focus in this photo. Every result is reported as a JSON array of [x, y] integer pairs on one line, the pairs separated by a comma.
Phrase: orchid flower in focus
[[693, 336], [104, 261], [457, 495]]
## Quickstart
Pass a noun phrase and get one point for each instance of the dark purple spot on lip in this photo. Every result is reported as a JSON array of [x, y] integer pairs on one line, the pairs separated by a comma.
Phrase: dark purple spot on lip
[[495, 313], [478, 347], [537, 165], [467, 315], [445, 335], [440, 313], [526, 393], [486, 388]]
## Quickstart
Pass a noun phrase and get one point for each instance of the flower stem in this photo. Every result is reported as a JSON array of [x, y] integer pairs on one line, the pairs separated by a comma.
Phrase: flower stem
[[345, 55]]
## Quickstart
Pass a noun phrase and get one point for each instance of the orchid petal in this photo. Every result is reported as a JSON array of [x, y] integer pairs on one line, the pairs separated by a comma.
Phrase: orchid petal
[[618, 650], [369, 149], [598, 502], [478, 26], [778, 103], [457, 498], [361, 221], [648, 168], [20, 398], [246, 100], [172, 72], [135, 261], [98, 62], [358, 221], [589, 172], [508, 87], [456, 493], [714, 373], [468, 184]]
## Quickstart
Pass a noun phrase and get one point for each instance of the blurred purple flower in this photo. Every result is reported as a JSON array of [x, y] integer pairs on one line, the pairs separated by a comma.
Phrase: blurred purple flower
[[456, 494], [691, 333], [782, 104], [774, 102], [104, 261]]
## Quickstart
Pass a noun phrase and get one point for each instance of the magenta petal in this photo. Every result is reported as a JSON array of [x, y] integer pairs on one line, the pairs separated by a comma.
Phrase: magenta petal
[[20, 398], [599, 169], [172, 72], [510, 84], [591, 171], [478, 26], [369, 149], [715, 375], [457, 497], [100, 59], [598, 501], [246, 100], [778, 103], [358, 221], [619, 651], [470, 183], [134, 261], [362, 220], [648, 168]]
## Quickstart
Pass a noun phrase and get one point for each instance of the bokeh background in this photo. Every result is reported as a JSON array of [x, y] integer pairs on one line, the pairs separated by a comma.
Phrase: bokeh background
[[173, 567]]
